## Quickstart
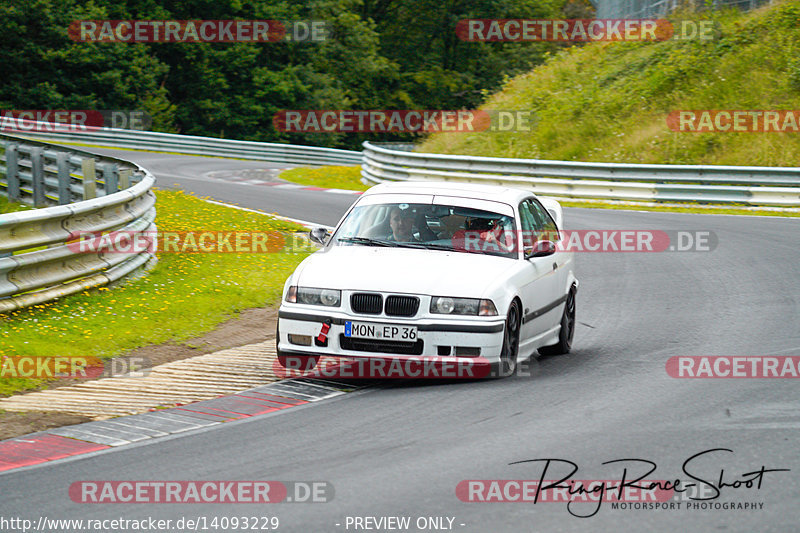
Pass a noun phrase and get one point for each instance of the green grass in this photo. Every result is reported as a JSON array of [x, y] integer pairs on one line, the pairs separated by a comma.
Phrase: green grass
[[609, 101], [687, 208], [11, 207], [327, 177], [183, 296]]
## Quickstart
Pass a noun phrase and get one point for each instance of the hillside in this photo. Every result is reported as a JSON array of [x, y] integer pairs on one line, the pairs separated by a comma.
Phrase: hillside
[[610, 101]]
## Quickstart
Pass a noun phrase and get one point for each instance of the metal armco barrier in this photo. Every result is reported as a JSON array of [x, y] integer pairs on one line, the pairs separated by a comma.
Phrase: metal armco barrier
[[760, 186], [763, 186], [86, 193], [188, 144], [635, 9]]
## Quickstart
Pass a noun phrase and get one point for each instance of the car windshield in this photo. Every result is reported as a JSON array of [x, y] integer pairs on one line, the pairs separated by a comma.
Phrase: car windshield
[[429, 226]]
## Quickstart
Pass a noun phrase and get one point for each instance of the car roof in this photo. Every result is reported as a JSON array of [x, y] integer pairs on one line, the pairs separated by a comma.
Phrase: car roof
[[467, 190]]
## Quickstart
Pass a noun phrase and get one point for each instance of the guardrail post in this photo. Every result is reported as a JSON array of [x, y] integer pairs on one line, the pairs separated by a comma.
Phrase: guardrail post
[[110, 177], [37, 175], [12, 171], [89, 179], [125, 178], [62, 161]]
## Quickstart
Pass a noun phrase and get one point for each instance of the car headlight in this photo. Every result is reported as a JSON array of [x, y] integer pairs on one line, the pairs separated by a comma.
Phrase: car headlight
[[445, 305], [314, 296]]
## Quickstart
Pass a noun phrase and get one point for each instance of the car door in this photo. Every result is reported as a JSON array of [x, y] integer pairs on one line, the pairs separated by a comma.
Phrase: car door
[[561, 260], [539, 291]]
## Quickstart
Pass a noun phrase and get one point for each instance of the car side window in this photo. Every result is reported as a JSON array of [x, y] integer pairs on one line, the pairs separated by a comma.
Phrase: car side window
[[531, 227], [545, 221]]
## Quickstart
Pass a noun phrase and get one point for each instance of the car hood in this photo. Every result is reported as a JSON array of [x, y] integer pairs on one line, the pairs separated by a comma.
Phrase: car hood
[[403, 270]]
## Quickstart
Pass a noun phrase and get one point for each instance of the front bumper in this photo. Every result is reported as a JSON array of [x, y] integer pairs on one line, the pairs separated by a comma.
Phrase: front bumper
[[467, 337]]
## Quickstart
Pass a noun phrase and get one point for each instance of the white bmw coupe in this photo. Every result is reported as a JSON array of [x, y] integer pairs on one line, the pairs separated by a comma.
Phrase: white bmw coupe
[[434, 269]]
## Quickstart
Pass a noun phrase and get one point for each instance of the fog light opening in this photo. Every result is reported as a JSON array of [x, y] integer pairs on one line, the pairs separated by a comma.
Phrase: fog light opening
[[468, 351], [300, 340]]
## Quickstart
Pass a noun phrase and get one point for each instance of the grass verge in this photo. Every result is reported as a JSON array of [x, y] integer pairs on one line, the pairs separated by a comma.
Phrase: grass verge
[[11, 207], [688, 208], [184, 295], [334, 177], [609, 101]]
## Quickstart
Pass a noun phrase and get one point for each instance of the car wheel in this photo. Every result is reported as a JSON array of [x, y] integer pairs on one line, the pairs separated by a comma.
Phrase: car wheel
[[567, 329], [302, 363], [508, 353]]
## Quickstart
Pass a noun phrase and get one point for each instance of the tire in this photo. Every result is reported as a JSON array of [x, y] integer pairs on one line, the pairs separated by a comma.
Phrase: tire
[[510, 349], [567, 332]]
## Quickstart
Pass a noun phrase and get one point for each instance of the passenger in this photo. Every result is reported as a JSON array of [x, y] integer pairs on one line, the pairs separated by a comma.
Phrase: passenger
[[493, 234]]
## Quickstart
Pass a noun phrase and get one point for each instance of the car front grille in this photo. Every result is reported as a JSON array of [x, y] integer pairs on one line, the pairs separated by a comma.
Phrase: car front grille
[[381, 346], [402, 305], [366, 303]]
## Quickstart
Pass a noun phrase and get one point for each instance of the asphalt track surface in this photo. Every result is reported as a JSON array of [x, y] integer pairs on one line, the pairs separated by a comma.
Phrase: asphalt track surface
[[401, 449], [206, 176]]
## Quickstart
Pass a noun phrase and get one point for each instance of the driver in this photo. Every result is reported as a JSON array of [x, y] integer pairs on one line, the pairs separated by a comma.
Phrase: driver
[[401, 222]]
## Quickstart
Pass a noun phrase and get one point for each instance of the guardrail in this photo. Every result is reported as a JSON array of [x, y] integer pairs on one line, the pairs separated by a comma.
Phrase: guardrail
[[658, 8], [760, 186], [763, 186], [188, 144], [87, 193]]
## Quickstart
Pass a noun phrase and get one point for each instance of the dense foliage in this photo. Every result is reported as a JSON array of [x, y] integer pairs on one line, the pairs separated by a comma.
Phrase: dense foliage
[[383, 54]]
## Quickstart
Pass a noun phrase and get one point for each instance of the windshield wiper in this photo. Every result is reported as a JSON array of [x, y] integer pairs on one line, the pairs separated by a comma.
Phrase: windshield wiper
[[435, 246], [404, 244], [366, 241], [378, 242], [418, 245]]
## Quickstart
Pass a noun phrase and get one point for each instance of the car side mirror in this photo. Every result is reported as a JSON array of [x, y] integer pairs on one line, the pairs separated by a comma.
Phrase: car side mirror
[[540, 249], [318, 236]]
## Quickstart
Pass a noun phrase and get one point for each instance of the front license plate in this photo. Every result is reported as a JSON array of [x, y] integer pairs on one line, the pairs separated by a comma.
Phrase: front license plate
[[369, 330]]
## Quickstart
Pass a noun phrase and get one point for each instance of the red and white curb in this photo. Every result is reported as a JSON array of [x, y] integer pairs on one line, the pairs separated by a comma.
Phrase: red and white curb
[[307, 188], [70, 441], [260, 182]]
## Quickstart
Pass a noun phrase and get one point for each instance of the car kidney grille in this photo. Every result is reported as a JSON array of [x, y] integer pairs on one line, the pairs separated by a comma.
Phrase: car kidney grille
[[367, 303], [402, 305]]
